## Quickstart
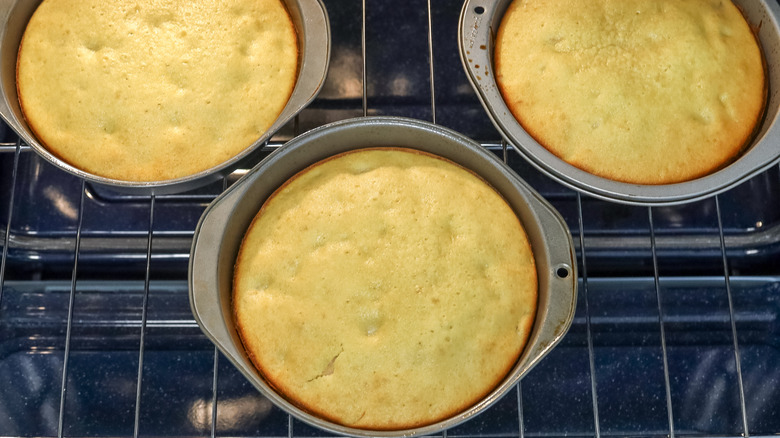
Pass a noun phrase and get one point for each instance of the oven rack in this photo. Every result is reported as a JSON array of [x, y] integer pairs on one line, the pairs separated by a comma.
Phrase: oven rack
[[676, 331], [617, 322]]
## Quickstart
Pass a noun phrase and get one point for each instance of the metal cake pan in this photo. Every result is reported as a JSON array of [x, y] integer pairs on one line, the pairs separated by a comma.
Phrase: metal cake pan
[[479, 22], [224, 223], [313, 29]]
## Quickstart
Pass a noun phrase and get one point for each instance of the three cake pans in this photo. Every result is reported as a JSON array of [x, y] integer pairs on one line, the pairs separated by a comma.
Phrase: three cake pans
[[224, 223], [479, 22], [222, 226], [311, 22]]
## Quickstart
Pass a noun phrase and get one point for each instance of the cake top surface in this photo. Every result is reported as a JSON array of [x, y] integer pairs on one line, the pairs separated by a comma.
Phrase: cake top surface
[[154, 90], [640, 91], [385, 289]]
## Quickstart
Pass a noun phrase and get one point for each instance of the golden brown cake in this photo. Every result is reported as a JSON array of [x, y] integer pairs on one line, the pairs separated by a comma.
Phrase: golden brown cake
[[149, 90], [385, 289], [639, 91]]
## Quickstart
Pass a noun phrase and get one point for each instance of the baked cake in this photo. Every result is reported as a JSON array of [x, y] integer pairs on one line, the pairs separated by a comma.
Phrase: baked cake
[[149, 90], [639, 91], [385, 289]]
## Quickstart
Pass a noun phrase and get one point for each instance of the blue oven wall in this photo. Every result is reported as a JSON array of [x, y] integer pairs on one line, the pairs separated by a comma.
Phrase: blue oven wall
[[676, 329]]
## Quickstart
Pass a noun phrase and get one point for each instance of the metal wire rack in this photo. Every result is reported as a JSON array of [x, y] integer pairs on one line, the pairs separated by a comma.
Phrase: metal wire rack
[[676, 331]]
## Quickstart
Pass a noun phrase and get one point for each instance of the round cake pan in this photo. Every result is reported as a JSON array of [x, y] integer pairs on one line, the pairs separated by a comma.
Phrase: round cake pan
[[224, 223], [479, 22], [313, 29]]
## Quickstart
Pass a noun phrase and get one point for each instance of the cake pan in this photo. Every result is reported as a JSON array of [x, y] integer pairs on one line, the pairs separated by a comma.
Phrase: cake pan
[[479, 22], [313, 29], [225, 221]]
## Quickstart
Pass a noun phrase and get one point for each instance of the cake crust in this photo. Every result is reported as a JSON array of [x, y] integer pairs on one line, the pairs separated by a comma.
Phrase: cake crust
[[154, 90], [385, 289], [638, 91]]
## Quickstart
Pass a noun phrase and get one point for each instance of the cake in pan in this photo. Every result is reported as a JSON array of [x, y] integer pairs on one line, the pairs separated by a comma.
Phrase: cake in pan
[[148, 90], [637, 91], [385, 288]]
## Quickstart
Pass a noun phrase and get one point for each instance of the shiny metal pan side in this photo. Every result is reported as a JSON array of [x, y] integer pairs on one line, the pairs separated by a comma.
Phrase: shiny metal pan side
[[222, 226], [479, 22], [313, 28]]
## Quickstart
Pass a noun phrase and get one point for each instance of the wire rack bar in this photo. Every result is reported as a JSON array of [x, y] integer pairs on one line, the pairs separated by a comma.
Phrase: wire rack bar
[[363, 57], [144, 307], [667, 384], [11, 147], [68, 330], [430, 62], [289, 426], [588, 333], [7, 236], [737, 359], [520, 420], [214, 383]]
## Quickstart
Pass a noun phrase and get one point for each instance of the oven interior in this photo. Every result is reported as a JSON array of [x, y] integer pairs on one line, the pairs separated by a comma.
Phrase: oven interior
[[676, 330]]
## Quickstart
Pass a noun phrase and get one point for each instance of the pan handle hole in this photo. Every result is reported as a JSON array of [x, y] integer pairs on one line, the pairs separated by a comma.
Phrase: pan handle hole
[[479, 10], [562, 271]]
